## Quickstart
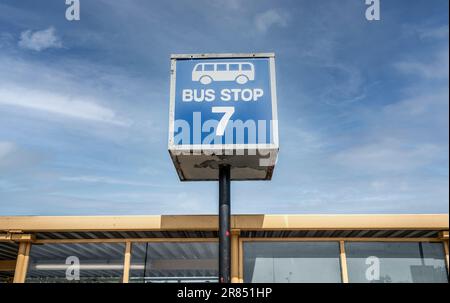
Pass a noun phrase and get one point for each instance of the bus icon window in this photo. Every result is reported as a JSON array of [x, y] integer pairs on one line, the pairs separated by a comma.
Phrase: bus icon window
[[206, 73]]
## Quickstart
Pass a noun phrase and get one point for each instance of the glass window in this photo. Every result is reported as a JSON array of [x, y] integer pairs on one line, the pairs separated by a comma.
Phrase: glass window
[[234, 67], [209, 67], [91, 262], [174, 262], [402, 262], [8, 256], [221, 67], [199, 68], [246, 67], [291, 262]]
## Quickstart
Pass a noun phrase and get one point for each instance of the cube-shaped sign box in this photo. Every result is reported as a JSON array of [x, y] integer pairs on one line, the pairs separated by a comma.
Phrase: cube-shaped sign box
[[223, 111]]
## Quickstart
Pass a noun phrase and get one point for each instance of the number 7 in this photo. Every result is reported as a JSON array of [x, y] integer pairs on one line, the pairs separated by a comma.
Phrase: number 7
[[228, 112]]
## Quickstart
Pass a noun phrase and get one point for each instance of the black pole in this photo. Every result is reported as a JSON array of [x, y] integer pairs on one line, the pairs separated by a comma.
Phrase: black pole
[[224, 224]]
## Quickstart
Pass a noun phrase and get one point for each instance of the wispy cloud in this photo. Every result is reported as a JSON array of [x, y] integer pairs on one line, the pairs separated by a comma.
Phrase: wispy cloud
[[227, 4], [58, 104], [388, 156], [61, 90], [410, 134], [8, 186], [108, 180], [435, 68], [5, 149], [6, 39], [345, 85], [264, 21], [40, 40], [440, 32], [14, 160]]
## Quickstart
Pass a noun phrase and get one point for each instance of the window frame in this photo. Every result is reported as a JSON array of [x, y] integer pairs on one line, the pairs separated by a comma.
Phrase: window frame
[[240, 251], [340, 240]]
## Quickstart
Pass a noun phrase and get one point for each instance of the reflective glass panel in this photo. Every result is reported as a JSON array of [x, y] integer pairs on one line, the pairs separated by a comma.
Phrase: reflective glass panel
[[291, 262], [395, 262], [91, 262], [174, 262]]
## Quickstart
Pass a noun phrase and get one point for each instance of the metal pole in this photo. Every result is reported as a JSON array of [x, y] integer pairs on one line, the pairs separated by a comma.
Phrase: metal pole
[[224, 225]]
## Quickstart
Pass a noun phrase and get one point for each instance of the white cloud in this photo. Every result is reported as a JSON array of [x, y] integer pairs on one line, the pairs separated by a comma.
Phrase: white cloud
[[58, 104], [15, 160], [434, 33], [436, 68], [409, 136], [8, 186], [427, 107], [6, 40], [388, 156], [108, 180], [345, 87], [271, 18], [39, 40], [6, 148], [84, 97]]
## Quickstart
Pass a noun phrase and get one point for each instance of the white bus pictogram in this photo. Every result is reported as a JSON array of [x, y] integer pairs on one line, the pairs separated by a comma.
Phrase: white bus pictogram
[[206, 73]]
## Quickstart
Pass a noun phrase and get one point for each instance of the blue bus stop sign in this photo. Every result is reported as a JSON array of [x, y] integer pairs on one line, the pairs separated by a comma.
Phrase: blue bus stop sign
[[223, 110]]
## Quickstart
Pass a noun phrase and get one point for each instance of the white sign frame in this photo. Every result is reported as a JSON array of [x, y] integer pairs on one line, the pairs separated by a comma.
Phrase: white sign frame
[[265, 149]]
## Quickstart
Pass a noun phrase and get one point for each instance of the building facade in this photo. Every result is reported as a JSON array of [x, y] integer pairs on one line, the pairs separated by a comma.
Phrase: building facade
[[265, 248]]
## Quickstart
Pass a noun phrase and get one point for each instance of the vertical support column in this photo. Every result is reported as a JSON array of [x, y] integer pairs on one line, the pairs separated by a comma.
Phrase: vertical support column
[[235, 256], [26, 261], [241, 261], [22, 262], [127, 263], [343, 258], [224, 223], [446, 255], [444, 237]]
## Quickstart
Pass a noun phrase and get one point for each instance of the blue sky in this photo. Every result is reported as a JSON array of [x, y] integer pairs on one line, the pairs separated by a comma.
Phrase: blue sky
[[363, 106]]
